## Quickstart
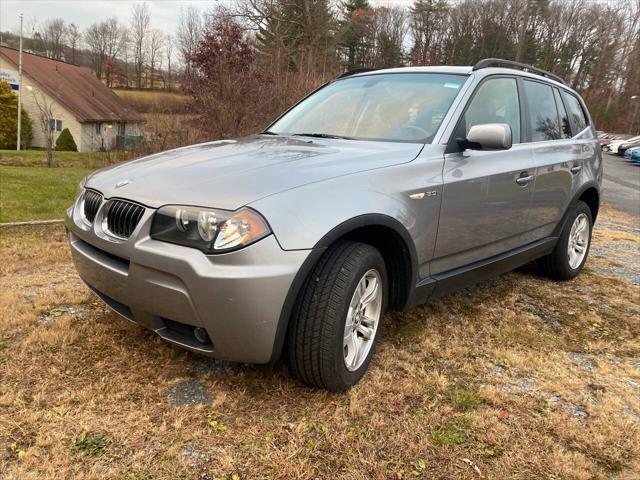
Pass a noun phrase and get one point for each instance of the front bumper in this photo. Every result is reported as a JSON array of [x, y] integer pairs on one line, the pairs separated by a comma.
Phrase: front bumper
[[237, 297]]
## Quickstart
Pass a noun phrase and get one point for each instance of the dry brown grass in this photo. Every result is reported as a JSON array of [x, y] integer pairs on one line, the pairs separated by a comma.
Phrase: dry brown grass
[[517, 378], [154, 101]]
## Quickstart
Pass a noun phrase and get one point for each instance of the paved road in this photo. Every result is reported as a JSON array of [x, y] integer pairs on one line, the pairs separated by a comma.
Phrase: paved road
[[621, 185]]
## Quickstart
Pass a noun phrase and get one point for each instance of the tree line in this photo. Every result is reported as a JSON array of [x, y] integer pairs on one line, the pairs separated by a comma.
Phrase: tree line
[[246, 62], [130, 54], [265, 54]]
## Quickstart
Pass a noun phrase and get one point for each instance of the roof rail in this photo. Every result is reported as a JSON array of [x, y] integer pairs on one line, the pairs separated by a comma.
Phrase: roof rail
[[499, 62], [355, 71]]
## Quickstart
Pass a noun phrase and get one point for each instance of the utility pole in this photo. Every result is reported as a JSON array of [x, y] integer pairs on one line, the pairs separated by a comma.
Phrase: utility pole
[[19, 88]]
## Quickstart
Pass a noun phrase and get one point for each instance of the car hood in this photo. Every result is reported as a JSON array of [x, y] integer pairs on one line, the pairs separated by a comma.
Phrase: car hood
[[228, 174]]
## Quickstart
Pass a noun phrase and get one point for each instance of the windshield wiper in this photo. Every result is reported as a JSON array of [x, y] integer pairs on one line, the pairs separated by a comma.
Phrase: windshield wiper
[[321, 135], [268, 132]]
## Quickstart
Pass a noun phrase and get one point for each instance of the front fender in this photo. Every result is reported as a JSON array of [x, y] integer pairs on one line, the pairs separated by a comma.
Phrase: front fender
[[301, 217]]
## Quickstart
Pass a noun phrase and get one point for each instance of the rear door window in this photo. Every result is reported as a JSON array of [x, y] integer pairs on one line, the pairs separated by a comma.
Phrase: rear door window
[[543, 115], [576, 113], [565, 127]]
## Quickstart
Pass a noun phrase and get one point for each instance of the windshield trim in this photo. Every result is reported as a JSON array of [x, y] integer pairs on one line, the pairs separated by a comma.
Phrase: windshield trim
[[267, 130]]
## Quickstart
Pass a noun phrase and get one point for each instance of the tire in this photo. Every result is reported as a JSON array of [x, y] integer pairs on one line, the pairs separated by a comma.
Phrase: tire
[[317, 348], [558, 264]]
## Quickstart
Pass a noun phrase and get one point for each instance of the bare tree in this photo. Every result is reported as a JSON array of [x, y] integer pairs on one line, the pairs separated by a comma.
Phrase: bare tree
[[106, 40], [169, 54], [54, 34], [31, 26], [388, 30], [74, 36], [115, 35], [95, 39], [140, 20], [154, 47], [189, 35], [47, 125], [125, 55]]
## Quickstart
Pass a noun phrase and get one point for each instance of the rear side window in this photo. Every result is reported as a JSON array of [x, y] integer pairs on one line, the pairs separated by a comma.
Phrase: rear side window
[[576, 113], [496, 101], [543, 116], [565, 127]]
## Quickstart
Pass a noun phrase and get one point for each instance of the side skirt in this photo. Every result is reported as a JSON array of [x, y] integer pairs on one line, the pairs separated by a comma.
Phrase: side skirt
[[451, 280]]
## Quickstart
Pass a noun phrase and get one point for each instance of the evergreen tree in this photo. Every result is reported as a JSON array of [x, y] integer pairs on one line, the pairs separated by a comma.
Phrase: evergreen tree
[[299, 34], [428, 27], [9, 120], [65, 142], [353, 32]]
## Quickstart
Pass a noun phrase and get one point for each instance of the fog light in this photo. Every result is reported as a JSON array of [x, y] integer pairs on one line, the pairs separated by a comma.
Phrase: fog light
[[201, 335]]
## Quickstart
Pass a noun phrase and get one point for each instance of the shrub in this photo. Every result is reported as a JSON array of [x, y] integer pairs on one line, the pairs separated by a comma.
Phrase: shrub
[[65, 142], [9, 120]]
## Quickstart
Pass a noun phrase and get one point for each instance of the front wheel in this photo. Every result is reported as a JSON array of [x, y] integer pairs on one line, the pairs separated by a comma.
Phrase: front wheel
[[337, 317], [570, 253]]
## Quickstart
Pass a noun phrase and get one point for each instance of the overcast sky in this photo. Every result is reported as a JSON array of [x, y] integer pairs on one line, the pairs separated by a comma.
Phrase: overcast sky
[[164, 13]]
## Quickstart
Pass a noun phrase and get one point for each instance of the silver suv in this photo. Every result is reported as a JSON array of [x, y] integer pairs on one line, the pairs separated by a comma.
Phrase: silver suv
[[380, 189]]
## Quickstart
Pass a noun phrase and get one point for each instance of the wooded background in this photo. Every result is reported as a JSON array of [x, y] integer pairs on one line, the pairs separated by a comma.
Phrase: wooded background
[[245, 62]]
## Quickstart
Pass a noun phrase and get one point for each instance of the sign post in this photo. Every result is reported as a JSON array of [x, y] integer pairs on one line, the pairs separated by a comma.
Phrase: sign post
[[19, 89]]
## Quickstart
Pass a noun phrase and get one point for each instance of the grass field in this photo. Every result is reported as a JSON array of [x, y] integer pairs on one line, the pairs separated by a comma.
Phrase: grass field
[[37, 193], [517, 378], [38, 158], [154, 101]]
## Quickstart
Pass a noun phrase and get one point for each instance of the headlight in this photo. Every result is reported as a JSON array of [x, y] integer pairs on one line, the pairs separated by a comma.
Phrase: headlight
[[209, 230]]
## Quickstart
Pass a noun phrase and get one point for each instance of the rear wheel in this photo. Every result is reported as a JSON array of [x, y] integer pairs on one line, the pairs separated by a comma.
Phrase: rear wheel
[[337, 317], [570, 253]]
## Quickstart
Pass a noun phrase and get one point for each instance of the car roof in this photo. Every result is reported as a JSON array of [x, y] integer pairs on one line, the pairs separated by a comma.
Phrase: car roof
[[430, 69], [466, 70]]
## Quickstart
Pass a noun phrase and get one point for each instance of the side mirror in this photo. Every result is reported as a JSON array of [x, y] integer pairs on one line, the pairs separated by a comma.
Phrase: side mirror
[[488, 136]]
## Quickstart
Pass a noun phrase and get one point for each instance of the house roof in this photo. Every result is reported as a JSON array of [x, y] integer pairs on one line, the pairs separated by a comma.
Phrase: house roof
[[75, 88]]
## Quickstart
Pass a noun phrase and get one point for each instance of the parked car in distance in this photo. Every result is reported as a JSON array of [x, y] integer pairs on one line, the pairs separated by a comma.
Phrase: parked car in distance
[[604, 142], [629, 152], [380, 190], [634, 142], [635, 156], [613, 146]]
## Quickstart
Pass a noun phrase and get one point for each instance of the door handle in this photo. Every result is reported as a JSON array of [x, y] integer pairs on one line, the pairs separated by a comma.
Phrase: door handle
[[524, 179], [576, 168]]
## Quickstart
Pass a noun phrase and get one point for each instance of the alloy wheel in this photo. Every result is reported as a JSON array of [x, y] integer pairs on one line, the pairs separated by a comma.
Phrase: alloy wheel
[[578, 241], [362, 320]]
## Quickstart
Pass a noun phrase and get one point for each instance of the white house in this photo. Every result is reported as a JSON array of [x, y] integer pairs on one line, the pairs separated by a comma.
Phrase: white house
[[96, 117]]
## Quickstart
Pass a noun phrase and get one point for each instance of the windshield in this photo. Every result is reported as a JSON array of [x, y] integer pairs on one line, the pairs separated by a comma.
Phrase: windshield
[[407, 107]]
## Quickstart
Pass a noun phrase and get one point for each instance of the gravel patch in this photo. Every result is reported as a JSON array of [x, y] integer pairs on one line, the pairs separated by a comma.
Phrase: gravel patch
[[59, 311], [189, 392], [202, 366], [572, 409], [626, 252], [195, 457], [526, 386], [583, 361], [30, 296]]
